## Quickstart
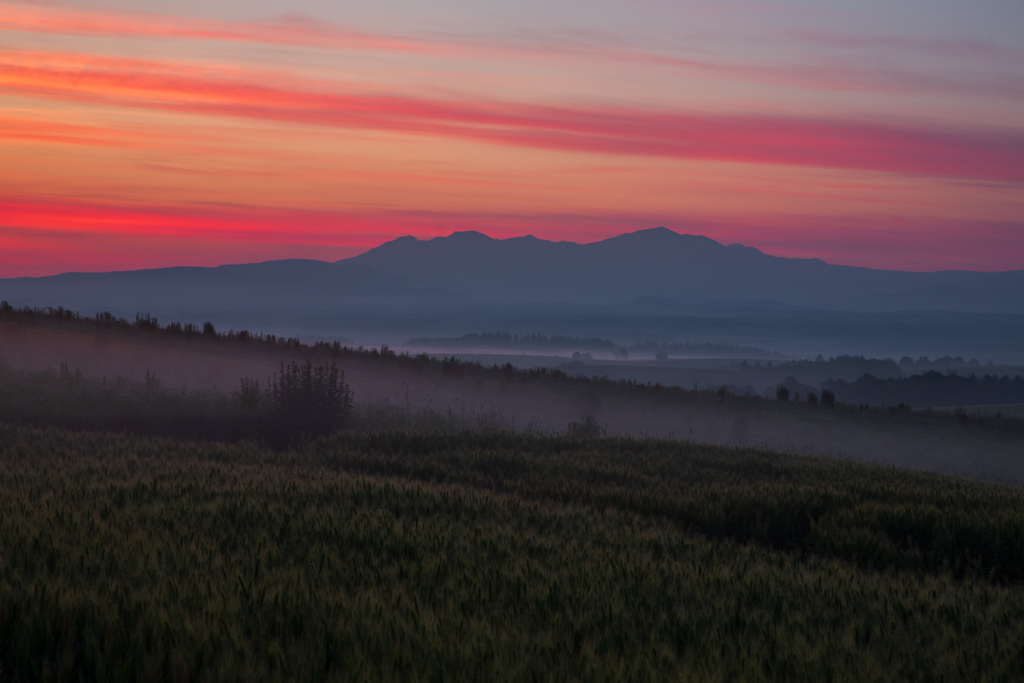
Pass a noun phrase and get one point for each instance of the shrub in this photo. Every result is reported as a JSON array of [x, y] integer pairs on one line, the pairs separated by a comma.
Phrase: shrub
[[248, 394], [782, 394], [587, 428], [307, 400]]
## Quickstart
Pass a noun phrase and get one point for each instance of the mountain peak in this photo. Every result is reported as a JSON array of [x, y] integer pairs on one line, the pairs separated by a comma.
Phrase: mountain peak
[[466, 236], [661, 236], [660, 232]]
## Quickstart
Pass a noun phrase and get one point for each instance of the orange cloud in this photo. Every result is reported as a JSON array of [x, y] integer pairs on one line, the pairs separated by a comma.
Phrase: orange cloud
[[17, 129], [963, 153], [303, 31], [289, 30]]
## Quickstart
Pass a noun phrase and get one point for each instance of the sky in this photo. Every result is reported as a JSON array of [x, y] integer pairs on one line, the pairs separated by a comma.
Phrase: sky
[[140, 134]]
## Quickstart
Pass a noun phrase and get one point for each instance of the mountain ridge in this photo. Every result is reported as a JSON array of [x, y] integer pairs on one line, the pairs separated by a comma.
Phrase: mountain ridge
[[469, 267], [688, 268]]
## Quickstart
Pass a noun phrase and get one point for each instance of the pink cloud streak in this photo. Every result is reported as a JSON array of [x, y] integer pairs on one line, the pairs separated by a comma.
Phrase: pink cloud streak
[[990, 154], [248, 224], [300, 30]]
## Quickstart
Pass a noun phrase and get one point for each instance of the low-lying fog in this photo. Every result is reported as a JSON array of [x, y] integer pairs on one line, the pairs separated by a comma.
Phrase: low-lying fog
[[514, 401]]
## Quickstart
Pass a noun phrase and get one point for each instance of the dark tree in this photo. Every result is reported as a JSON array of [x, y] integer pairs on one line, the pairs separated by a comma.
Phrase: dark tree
[[782, 394], [828, 399]]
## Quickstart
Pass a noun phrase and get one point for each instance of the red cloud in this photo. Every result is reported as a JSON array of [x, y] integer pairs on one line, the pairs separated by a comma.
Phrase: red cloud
[[990, 154], [249, 224]]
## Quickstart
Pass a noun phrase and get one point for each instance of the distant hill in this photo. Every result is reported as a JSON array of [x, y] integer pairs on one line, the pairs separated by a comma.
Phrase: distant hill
[[294, 284], [658, 264], [656, 271], [651, 284]]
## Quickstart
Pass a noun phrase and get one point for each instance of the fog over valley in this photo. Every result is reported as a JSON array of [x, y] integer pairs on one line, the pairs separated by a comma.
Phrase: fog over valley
[[472, 396]]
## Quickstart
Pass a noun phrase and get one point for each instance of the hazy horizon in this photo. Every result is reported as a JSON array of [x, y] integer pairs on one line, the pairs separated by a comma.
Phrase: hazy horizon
[[499, 239]]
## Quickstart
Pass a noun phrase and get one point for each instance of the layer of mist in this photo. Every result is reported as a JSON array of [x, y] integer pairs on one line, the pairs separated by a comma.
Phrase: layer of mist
[[543, 403]]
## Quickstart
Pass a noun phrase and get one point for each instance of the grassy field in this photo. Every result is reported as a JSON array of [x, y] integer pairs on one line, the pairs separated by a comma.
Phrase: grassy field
[[154, 532], [495, 556]]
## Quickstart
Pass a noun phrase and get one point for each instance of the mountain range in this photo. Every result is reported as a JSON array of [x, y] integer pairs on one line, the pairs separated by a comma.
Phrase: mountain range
[[656, 267], [650, 284], [685, 268]]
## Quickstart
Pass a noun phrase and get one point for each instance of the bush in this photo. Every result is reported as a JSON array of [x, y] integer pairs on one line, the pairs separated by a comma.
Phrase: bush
[[587, 428], [248, 394], [307, 400], [782, 394]]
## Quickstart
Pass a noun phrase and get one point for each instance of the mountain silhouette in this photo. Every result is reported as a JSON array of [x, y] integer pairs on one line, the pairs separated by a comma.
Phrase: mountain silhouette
[[293, 284], [658, 271], [686, 268]]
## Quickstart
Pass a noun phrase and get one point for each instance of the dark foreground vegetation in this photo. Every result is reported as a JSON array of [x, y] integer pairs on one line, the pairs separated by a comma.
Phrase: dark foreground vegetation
[[493, 556], [286, 532], [297, 402]]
